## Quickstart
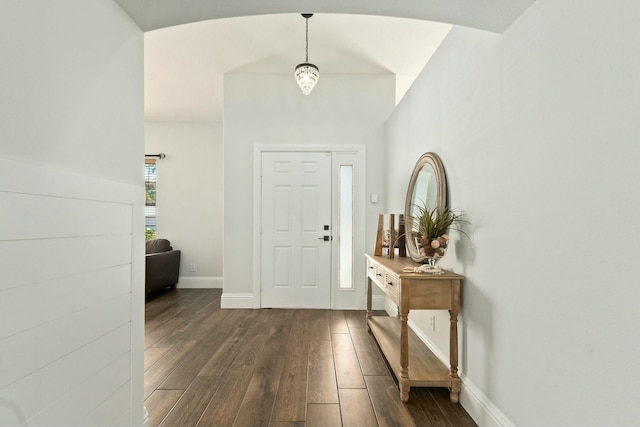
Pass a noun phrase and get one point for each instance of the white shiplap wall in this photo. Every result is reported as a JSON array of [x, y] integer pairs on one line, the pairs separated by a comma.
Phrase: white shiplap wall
[[65, 297]]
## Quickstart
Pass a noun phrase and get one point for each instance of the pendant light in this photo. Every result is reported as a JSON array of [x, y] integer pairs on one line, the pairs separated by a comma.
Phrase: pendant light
[[307, 74]]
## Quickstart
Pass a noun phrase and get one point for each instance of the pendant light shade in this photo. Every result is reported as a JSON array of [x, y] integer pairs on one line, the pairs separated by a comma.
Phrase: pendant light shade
[[307, 74]]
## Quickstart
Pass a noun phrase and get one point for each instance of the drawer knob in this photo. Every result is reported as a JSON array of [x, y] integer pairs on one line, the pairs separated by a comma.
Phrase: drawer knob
[[390, 283], [379, 274]]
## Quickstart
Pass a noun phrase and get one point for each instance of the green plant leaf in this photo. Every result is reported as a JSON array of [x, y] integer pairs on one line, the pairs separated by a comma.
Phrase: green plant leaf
[[433, 223]]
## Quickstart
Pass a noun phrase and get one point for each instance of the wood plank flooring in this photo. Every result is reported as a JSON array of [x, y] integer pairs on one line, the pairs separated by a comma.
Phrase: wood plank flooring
[[207, 367]]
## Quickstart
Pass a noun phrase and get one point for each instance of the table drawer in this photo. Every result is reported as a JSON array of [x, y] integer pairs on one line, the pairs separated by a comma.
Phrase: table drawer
[[375, 272], [392, 283]]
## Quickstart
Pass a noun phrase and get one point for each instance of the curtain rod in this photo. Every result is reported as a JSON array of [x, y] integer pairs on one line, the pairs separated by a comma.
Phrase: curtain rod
[[160, 156]]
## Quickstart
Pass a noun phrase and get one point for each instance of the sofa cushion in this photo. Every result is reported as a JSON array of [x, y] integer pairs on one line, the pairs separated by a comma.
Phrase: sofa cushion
[[157, 245]]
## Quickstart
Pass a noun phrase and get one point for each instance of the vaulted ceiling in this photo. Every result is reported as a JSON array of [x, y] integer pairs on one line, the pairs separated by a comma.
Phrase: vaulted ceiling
[[491, 15], [185, 64]]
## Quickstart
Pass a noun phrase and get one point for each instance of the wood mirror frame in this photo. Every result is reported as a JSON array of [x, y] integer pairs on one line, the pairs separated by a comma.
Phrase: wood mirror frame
[[428, 177]]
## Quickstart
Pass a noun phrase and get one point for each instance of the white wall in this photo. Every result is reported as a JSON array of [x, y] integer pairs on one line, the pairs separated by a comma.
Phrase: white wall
[[190, 196], [538, 130], [71, 223], [271, 109]]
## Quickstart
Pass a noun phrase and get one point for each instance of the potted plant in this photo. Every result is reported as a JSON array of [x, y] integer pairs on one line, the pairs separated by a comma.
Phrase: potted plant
[[432, 226]]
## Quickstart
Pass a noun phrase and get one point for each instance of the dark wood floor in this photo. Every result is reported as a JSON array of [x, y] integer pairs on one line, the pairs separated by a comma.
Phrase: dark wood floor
[[205, 366]]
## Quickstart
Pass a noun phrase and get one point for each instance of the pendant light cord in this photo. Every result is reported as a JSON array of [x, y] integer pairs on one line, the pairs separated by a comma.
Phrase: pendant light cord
[[307, 38]]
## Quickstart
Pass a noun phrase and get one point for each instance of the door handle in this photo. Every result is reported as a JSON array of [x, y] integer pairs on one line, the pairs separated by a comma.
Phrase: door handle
[[326, 238]]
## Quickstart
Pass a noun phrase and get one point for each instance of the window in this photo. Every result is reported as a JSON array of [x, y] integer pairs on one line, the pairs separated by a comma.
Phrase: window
[[150, 204], [346, 227]]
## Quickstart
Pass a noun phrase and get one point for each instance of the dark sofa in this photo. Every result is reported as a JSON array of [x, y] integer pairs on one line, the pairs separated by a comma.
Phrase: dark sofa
[[162, 265]]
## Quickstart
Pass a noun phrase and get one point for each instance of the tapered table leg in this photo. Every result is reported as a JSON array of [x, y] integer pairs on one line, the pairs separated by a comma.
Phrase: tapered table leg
[[368, 303], [456, 384], [404, 358]]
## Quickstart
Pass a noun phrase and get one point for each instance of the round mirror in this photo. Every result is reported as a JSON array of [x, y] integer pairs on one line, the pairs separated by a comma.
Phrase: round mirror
[[427, 189]]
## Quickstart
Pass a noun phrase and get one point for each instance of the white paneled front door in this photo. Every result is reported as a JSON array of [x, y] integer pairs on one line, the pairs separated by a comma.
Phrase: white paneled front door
[[296, 217]]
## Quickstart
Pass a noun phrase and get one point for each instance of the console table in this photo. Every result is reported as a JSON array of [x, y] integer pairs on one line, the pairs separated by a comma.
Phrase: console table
[[413, 364]]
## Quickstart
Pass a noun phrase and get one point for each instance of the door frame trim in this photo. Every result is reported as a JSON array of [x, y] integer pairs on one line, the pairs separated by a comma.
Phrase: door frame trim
[[359, 216]]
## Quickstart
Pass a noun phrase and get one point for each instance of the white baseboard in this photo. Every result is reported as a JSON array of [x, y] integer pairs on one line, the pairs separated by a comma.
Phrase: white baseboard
[[239, 301], [251, 301], [472, 399], [389, 307], [378, 302], [481, 409], [200, 282], [430, 344]]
